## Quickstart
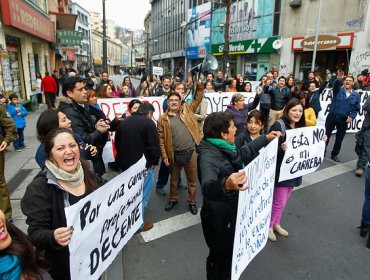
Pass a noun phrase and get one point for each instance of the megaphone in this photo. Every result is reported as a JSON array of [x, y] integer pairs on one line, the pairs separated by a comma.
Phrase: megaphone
[[209, 62]]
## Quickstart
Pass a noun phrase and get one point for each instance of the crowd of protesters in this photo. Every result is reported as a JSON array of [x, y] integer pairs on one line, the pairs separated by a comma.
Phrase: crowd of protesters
[[73, 132]]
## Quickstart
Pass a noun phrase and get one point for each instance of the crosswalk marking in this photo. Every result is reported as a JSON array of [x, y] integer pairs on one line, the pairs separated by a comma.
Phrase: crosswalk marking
[[182, 221]]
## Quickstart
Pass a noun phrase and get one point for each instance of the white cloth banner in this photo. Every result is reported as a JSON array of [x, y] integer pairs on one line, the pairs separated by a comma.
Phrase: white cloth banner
[[325, 101], [217, 102], [254, 209], [305, 152], [104, 221]]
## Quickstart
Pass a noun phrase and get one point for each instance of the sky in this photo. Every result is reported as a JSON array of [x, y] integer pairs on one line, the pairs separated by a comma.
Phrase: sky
[[126, 13]]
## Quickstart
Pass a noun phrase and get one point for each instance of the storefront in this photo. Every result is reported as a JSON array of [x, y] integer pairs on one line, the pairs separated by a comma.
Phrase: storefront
[[251, 58], [25, 37], [333, 52]]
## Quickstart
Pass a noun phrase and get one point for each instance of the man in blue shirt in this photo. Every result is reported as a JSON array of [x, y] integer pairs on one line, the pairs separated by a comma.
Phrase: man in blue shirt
[[343, 109]]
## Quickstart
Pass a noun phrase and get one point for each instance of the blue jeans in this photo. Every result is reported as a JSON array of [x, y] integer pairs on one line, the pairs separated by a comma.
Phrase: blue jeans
[[362, 160], [147, 187], [366, 207], [19, 143]]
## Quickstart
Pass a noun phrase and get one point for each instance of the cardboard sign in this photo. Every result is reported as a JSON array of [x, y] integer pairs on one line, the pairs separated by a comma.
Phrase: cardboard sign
[[254, 209], [104, 221], [305, 152]]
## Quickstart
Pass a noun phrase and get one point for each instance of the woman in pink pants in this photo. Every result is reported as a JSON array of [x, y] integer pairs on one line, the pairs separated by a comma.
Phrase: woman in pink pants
[[292, 118]]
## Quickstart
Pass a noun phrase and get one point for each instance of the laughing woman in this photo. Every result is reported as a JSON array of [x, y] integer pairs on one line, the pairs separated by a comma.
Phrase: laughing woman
[[292, 118], [65, 180]]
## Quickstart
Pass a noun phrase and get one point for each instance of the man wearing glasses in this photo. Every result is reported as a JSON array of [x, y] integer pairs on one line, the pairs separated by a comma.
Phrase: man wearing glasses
[[343, 110]]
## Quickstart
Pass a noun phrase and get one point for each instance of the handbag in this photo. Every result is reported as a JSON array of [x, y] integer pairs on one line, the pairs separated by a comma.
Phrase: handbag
[[183, 157]]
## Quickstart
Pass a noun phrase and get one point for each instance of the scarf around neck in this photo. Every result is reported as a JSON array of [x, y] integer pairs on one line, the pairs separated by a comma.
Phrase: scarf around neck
[[10, 267], [74, 180], [221, 143]]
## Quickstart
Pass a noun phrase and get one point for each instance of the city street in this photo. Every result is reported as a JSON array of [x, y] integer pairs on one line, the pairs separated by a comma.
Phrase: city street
[[321, 217]]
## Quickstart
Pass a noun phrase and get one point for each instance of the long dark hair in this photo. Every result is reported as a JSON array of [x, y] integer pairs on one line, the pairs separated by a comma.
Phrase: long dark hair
[[31, 262], [89, 177], [47, 121], [292, 103]]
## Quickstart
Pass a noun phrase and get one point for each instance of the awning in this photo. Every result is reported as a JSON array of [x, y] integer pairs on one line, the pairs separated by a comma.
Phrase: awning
[[65, 21]]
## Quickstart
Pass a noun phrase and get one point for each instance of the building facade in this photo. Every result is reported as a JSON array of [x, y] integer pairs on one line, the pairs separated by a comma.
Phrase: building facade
[[83, 50], [188, 30], [343, 37], [27, 37]]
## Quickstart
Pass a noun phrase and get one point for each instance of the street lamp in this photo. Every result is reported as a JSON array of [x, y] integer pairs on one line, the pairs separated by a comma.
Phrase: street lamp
[[105, 52]]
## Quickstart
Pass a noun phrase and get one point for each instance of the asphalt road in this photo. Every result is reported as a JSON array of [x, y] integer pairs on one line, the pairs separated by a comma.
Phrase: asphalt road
[[324, 242]]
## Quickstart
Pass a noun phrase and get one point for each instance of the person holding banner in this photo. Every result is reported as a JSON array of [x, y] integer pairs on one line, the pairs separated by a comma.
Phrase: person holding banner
[[219, 165], [239, 110], [309, 113], [292, 118], [343, 110], [65, 180]]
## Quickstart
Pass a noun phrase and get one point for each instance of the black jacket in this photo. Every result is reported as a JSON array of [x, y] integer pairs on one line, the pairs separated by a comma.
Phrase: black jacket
[[82, 122], [279, 97], [43, 205], [280, 156], [219, 208], [136, 136]]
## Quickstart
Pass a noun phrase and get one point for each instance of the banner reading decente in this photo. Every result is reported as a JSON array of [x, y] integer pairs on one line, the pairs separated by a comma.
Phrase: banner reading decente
[[104, 222]]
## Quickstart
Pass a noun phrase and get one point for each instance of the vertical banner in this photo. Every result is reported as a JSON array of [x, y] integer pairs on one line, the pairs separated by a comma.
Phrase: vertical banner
[[254, 209], [305, 152], [198, 31], [104, 222], [31, 63]]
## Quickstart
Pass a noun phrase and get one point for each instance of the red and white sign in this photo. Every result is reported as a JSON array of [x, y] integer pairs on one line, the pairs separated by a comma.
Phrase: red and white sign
[[325, 42], [18, 14]]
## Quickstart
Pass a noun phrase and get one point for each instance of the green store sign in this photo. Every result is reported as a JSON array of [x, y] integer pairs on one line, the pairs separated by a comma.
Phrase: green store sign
[[261, 45], [69, 37]]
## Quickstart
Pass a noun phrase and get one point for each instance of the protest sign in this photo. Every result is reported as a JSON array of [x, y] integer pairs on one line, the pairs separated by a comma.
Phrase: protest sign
[[325, 101], [157, 70], [254, 209], [305, 152], [104, 221]]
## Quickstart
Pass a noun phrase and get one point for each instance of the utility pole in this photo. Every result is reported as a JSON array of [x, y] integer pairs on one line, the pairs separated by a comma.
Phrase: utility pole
[[132, 49], [147, 53], [105, 52], [316, 37], [226, 45]]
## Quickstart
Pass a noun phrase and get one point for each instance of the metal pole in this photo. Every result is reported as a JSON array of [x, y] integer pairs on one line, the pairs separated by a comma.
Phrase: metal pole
[[147, 52], [132, 45], [227, 27], [105, 63], [316, 37]]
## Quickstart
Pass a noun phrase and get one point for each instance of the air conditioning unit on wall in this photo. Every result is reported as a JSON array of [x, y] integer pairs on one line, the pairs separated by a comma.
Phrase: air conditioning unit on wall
[[295, 3]]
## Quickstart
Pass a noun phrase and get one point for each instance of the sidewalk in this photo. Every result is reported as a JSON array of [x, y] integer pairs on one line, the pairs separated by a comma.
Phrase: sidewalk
[[21, 168]]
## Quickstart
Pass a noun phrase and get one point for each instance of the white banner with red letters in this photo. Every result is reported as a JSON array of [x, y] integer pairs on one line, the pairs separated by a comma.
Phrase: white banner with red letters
[[217, 102]]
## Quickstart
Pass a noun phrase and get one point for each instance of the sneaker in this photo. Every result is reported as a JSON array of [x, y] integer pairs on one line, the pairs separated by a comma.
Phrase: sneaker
[[359, 172], [160, 191], [18, 150], [25, 147]]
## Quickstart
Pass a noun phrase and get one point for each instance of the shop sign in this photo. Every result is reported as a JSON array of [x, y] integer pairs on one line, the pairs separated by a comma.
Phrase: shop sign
[[18, 14], [261, 45], [69, 37], [323, 42]]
